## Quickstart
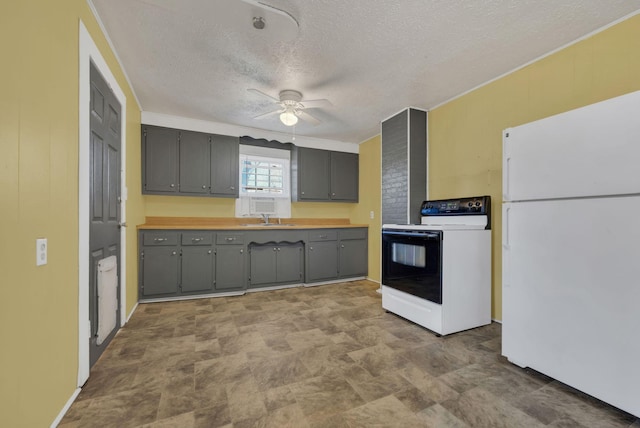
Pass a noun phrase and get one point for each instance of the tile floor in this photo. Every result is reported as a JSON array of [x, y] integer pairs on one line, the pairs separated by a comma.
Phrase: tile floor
[[327, 356]]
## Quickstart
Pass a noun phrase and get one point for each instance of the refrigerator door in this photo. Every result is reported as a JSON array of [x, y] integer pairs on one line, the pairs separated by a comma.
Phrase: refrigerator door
[[590, 151], [571, 287]]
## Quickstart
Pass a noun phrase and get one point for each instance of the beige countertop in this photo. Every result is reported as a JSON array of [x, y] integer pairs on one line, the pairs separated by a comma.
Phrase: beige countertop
[[232, 223]]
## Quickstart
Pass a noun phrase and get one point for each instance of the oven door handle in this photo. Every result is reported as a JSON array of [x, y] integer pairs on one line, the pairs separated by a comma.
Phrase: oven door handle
[[429, 235]]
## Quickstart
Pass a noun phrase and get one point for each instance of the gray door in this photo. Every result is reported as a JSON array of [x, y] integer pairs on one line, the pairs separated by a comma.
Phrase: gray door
[[344, 176], [263, 264], [104, 233], [160, 162], [225, 162], [160, 271], [197, 269], [313, 165], [194, 162], [289, 263]]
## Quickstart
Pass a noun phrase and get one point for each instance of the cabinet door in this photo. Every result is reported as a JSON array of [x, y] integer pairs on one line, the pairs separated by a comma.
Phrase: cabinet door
[[263, 265], [344, 176], [195, 157], [322, 261], [225, 159], [230, 272], [313, 174], [353, 258], [160, 160], [289, 263], [159, 271], [197, 269]]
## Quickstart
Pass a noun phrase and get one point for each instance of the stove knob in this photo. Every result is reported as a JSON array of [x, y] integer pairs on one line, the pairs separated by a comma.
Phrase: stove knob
[[470, 204], [477, 203]]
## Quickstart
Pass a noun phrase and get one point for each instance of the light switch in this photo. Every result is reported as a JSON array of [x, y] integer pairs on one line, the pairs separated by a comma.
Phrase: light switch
[[41, 251], [371, 214]]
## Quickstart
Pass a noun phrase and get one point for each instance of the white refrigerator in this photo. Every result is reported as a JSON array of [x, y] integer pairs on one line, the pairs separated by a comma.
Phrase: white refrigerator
[[571, 249]]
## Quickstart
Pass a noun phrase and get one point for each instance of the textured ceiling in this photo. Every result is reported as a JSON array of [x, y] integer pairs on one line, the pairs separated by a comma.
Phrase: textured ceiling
[[370, 58]]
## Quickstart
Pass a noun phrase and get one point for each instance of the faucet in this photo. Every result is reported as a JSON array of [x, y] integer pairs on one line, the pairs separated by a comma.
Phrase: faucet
[[265, 217]]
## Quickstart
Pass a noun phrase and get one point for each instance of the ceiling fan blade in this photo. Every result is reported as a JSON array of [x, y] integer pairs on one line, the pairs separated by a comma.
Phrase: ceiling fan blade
[[269, 113], [316, 103], [308, 118], [257, 92]]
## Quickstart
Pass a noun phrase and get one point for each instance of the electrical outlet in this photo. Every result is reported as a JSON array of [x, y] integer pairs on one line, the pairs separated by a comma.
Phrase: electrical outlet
[[41, 251], [371, 214]]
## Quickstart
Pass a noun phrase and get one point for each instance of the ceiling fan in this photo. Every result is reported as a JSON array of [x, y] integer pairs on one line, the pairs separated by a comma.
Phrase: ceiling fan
[[291, 107]]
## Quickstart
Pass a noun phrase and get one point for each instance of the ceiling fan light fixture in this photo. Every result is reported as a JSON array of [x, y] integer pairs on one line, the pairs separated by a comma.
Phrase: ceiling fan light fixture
[[288, 118]]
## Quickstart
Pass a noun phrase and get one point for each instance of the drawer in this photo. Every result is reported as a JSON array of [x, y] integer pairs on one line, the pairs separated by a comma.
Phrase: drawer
[[159, 238], [356, 233], [229, 238], [197, 238], [323, 235]]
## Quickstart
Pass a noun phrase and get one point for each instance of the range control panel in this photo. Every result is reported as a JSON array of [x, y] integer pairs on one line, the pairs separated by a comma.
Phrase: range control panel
[[476, 205]]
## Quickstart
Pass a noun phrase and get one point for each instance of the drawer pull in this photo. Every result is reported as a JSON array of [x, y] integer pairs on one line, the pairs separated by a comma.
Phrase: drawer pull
[[229, 239], [323, 236], [197, 239], [159, 239]]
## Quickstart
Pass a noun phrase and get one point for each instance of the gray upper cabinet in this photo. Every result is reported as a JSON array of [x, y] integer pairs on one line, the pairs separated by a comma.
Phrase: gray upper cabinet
[[195, 152], [225, 163], [344, 176], [310, 173], [321, 175], [189, 163], [159, 160]]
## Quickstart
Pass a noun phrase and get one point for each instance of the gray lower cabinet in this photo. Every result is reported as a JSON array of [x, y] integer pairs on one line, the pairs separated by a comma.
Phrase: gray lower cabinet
[[159, 263], [198, 262], [275, 264], [176, 263], [353, 253], [230, 262], [322, 255]]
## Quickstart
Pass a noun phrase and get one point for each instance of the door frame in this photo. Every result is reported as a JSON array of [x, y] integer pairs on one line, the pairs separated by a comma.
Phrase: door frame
[[89, 52]]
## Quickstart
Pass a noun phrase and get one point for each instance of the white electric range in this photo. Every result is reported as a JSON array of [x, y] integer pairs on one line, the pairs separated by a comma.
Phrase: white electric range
[[438, 273]]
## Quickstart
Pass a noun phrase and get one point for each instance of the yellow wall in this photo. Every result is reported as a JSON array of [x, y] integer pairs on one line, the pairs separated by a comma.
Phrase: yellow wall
[[39, 194], [370, 200], [465, 135]]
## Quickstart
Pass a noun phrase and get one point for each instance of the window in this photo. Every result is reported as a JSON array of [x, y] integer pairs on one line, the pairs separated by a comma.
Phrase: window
[[262, 176], [264, 182]]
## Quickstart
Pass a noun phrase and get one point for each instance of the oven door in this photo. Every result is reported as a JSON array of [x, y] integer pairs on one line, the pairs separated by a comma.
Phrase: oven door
[[412, 262]]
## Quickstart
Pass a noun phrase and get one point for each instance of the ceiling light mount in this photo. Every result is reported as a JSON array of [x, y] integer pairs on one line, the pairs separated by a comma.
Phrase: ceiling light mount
[[258, 23]]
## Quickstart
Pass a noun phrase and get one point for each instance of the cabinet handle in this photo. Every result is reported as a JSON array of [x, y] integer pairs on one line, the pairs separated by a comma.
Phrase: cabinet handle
[[232, 188], [204, 186], [274, 249], [310, 248], [197, 239], [323, 236], [173, 253], [278, 249], [172, 185], [241, 251], [159, 239], [341, 246], [229, 239], [302, 193], [333, 194], [209, 252]]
